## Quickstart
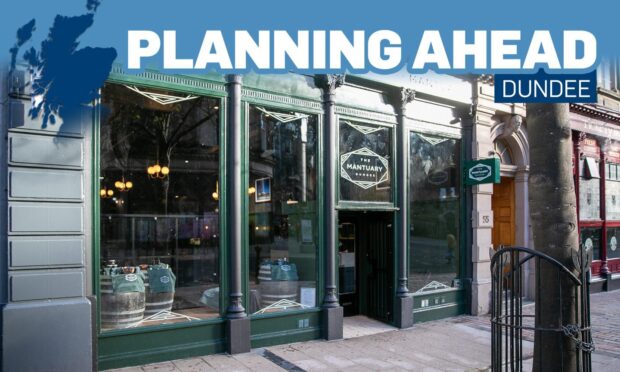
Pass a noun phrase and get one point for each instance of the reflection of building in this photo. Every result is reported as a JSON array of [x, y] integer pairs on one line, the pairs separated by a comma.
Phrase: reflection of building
[[285, 199]]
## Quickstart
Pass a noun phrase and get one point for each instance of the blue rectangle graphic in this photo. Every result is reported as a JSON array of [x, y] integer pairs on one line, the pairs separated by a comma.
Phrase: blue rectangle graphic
[[545, 88]]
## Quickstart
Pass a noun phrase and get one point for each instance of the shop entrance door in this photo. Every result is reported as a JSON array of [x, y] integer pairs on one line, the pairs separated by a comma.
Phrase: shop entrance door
[[503, 202], [366, 264]]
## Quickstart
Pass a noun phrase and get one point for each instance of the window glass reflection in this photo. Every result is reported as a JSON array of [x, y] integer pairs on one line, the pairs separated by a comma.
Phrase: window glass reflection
[[159, 165], [591, 239], [282, 210], [434, 204], [365, 162], [613, 242]]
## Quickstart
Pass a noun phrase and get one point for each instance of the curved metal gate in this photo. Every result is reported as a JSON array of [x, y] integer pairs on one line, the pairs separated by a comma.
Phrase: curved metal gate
[[512, 323]]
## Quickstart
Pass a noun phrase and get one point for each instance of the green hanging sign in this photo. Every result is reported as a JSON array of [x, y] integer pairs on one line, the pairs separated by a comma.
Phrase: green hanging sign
[[482, 171]]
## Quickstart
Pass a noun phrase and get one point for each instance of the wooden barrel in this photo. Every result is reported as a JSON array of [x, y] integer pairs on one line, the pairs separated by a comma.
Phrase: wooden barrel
[[156, 302], [264, 272], [121, 310], [275, 290]]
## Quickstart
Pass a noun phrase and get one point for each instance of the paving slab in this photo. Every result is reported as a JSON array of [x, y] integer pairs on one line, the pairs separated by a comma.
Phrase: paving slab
[[223, 362], [192, 365]]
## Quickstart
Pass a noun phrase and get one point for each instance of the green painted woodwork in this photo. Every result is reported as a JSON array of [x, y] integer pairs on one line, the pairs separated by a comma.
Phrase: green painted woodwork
[[441, 304], [290, 92], [223, 181], [166, 342], [320, 256], [119, 348], [284, 327], [245, 171], [95, 187], [448, 311], [208, 84]]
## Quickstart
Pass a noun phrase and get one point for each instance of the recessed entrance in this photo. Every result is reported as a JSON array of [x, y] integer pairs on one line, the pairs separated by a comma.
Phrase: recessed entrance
[[366, 264]]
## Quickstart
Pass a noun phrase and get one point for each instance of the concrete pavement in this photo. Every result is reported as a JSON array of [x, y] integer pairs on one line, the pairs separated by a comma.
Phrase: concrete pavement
[[457, 344]]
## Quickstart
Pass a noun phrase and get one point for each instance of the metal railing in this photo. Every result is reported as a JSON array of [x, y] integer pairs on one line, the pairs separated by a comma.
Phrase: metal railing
[[559, 327]]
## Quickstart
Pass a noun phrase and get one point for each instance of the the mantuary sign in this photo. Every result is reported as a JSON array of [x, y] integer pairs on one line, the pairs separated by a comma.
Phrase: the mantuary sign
[[482, 171], [364, 168]]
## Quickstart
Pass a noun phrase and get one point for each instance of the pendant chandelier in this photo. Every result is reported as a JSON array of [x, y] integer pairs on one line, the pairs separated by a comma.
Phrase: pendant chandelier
[[106, 193], [122, 185], [157, 171]]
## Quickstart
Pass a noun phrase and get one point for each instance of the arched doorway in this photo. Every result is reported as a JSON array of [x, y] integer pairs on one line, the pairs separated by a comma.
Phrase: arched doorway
[[509, 202]]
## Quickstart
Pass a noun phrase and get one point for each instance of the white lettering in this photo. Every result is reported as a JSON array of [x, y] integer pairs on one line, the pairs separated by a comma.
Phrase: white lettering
[[571, 38], [135, 51], [392, 51], [499, 49], [170, 52], [340, 46], [514, 88], [245, 46], [460, 49], [541, 39], [318, 52], [431, 39], [213, 40], [284, 45]]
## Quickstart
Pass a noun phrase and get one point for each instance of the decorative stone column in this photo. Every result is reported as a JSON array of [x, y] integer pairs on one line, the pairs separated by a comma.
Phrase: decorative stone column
[[332, 311], [403, 304], [238, 324], [481, 207], [522, 225]]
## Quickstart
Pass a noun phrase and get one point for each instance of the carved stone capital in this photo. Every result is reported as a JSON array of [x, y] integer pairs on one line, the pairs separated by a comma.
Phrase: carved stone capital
[[400, 97], [329, 82], [407, 95]]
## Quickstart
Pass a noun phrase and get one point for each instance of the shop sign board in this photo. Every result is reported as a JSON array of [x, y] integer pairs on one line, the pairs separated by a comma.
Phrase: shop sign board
[[482, 171]]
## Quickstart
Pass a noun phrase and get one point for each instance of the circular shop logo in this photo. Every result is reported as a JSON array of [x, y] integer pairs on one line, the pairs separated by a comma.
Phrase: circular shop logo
[[613, 243], [285, 268], [164, 279], [131, 277], [437, 178]]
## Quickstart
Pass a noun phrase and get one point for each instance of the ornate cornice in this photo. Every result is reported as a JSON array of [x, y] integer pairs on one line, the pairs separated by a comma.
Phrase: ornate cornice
[[594, 111]]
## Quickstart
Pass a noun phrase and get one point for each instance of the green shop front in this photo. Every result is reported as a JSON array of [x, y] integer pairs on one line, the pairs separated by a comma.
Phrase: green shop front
[[236, 212]]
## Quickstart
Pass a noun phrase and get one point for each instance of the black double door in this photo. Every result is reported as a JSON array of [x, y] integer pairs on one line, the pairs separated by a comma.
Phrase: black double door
[[366, 264]]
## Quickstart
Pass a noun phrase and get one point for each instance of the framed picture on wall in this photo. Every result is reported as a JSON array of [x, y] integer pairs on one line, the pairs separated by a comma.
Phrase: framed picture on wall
[[263, 190]]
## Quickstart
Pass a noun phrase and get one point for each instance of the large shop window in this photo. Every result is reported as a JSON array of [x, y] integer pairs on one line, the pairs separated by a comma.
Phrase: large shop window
[[365, 162], [160, 223], [282, 210], [613, 242], [589, 189], [612, 191], [591, 239], [435, 204]]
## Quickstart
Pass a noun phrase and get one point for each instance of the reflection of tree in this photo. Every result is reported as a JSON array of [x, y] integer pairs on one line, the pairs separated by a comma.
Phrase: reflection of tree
[[151, 129]]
